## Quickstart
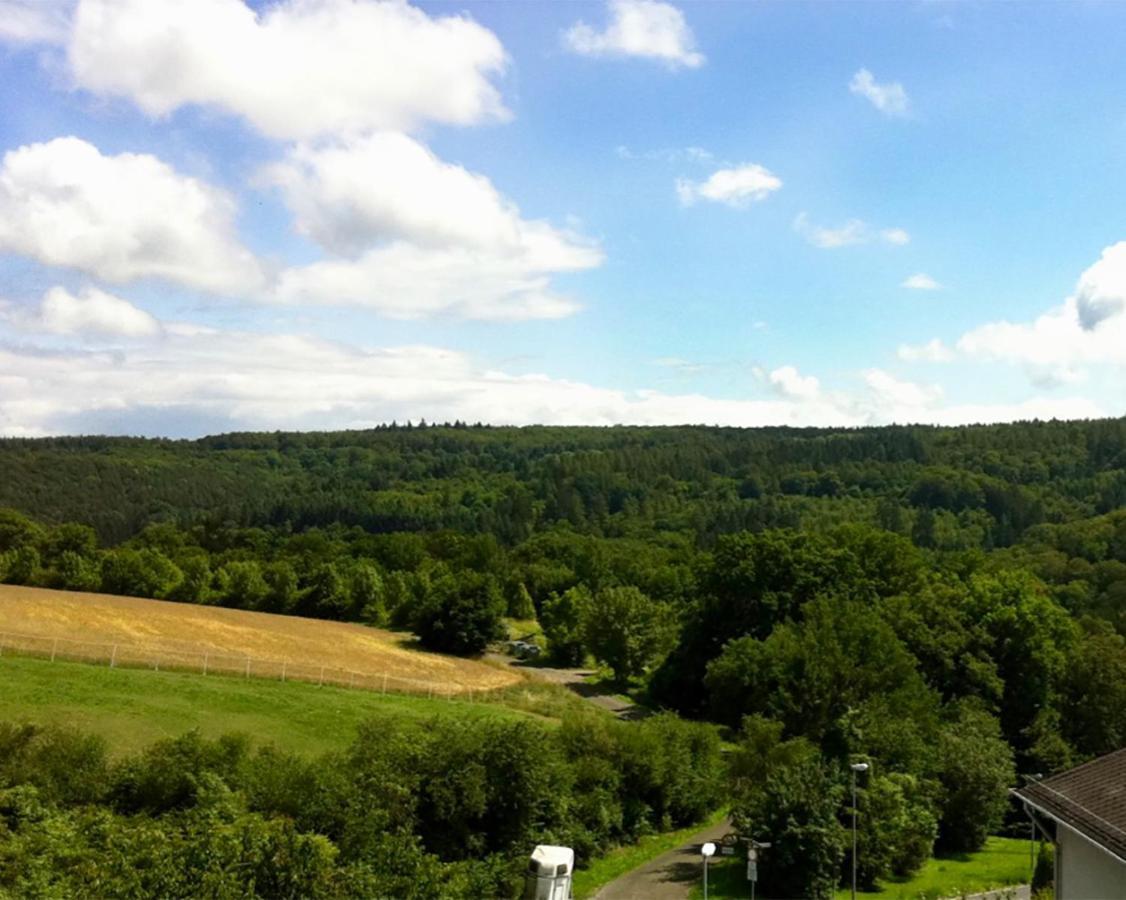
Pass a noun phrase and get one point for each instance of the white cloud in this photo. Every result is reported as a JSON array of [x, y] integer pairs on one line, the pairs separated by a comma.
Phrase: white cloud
[[387, 186], [690, 154], [933, 350], [738, 187], [920, 281], [120, 218], [852, 232], [898, 394], [34, 21], [890, 98], [1057, 347], [404, 281], [413, 235], [92, 313], [1101, 292], [644, 28], [191, 380], [296, 69], [791, 383]]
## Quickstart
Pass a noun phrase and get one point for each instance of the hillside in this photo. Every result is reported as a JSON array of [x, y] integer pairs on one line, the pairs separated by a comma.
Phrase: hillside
[[178, 635]]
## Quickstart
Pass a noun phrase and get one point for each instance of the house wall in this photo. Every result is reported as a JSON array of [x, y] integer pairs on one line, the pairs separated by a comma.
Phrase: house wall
[[1086, 872]]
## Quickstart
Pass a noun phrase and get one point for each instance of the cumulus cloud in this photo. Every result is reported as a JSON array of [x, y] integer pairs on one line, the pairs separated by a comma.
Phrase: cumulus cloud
[[297, 68], [738, 187], [120, 218], [411, 235], [91, 312], [852, 232], [890, 98], [920, 281], [1058, 346], [34, 21], [407, 282], [1101, 293], [191, 380], [791, 383], [642, 28]]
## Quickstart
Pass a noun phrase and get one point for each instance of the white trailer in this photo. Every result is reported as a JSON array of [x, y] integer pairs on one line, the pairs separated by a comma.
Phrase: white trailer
[[549, 873]]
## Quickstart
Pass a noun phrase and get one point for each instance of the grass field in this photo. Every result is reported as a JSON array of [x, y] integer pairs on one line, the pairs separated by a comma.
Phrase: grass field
[[131, 708], [154, 632], [1003, 862]]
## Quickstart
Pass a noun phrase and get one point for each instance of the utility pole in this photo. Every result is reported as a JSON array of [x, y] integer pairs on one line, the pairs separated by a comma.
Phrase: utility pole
[[855, 767]]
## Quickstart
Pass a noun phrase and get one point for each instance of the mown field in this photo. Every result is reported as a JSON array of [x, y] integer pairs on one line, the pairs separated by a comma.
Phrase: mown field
[[178, 635], [131, 708], [1001, 863]]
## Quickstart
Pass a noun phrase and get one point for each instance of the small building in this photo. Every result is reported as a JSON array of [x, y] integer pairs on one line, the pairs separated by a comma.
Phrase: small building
[[1083, 810]]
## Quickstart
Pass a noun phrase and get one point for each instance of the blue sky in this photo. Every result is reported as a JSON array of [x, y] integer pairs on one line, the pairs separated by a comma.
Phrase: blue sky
[[333, 213]]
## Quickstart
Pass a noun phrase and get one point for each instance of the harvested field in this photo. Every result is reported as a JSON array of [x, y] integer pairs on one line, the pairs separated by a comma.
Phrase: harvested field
[[184, 636]]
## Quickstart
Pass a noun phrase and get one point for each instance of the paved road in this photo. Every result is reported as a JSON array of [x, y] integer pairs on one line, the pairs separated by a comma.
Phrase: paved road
[[669, 876]]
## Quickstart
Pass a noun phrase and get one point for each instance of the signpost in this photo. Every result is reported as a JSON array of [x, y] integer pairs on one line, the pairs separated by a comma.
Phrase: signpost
[[753, 848]]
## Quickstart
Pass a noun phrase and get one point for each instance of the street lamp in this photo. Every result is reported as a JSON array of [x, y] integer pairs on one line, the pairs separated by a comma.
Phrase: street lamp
[[856, 767], [708, 850]]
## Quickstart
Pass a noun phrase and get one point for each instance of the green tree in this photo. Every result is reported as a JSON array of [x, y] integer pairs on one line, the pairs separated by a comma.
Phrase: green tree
[[563, 621], [461, 614], [786, 794], [628, 631], [975, 771]]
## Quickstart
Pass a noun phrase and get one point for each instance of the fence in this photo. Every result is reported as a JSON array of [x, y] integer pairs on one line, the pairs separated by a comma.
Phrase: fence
[[205, 661]]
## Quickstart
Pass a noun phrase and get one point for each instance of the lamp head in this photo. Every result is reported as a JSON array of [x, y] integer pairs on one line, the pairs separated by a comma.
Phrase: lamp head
[[859, 767]]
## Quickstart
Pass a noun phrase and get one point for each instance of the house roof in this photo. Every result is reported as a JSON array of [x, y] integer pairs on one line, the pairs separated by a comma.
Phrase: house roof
[[1090, 798]]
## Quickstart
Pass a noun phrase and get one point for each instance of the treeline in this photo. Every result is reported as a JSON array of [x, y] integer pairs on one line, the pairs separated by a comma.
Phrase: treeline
[[948, 605], [447, 810], [948, 488]]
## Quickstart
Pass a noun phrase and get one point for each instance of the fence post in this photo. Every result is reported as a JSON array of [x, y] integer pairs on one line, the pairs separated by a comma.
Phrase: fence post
[[283, 671], [385, 683], [321, 681], [205, 660], [248, 667], [156, 664], [54, 649], [430, 692], [352, 680], [113, 657]]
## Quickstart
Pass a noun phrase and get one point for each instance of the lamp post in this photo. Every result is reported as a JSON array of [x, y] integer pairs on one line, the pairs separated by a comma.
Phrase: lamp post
[[856, 767], [707, 851]]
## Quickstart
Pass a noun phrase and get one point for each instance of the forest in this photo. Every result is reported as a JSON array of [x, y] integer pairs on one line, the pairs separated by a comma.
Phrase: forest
[[948, 604]]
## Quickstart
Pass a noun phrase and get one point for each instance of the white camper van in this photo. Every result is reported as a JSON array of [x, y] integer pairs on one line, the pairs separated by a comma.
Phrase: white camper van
[[549, 873]]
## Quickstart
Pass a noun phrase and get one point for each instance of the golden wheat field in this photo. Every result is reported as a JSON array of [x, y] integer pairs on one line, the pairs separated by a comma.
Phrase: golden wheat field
[[156, 633]]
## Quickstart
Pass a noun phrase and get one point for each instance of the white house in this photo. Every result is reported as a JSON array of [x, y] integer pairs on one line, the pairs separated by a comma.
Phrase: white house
[[1084, 811]]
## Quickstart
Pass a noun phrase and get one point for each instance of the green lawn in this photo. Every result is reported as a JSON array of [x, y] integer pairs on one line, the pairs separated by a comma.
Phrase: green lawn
[[624, 859], [133, 707], [1004, 861]]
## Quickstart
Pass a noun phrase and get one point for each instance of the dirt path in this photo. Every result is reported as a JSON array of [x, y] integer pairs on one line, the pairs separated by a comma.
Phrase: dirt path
[[575, 679], [669, 876]]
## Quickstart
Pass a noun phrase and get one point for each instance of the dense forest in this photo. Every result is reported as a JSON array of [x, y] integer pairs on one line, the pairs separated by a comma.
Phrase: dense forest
[[948, 604]]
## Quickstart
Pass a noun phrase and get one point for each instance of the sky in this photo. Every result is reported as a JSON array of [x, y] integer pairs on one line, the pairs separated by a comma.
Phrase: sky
[[323, 214]]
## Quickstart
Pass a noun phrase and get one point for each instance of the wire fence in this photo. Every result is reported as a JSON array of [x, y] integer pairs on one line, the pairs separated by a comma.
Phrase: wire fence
[[206, 661]]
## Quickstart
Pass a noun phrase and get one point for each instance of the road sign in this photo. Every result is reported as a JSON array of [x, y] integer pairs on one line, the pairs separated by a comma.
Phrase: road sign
[[726, 851], [752, 870]]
